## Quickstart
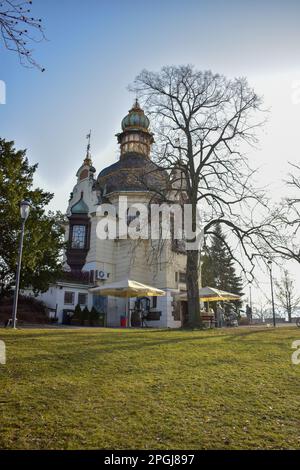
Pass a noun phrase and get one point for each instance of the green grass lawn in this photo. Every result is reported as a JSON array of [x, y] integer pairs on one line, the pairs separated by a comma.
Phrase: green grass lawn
[[149, 389]]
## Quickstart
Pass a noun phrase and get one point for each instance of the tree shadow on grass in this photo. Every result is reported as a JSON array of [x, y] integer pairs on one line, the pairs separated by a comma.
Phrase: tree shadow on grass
[[94, 349], [129, 340]]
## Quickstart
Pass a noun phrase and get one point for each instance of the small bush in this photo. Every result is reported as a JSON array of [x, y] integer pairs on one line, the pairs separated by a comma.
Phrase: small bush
[[93, 317], [243, 321]]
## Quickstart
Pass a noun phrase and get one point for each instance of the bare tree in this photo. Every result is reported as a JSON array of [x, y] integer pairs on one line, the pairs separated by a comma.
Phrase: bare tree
[[284, 241], [285, 293], [19, 29], [201, 121], [261, 312]]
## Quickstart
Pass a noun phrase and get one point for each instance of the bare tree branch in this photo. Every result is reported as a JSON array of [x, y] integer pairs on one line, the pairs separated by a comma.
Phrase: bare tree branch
[[19, 29], [201, 123], [285, 293]]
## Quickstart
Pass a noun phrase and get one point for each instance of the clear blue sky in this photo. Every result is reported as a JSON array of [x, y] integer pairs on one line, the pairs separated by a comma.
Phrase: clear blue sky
[[95, 48]]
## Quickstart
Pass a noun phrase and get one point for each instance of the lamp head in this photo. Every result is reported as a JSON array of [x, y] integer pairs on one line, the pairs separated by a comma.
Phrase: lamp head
[[24, 209], [269, 263]]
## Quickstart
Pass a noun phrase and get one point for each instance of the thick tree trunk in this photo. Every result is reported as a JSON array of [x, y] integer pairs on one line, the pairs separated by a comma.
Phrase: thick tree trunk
[[192, 284], [289, 312]]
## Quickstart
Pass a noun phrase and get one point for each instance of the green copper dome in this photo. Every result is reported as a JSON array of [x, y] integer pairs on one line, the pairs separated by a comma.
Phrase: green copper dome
[[80, 207], [135, 118]]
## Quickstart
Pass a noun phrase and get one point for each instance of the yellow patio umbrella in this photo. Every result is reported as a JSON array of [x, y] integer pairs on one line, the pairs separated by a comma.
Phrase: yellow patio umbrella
[[127, 288], [211, 294]]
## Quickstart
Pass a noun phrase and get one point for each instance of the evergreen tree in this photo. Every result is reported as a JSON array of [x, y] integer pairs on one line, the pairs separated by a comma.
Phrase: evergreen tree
[[217, 269], [43, 238], [77, 317], [93, 317], [85, 315]]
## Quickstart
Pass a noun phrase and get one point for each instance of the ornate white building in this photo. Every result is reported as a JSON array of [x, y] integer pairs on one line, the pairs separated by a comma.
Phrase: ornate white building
[[91, 261]]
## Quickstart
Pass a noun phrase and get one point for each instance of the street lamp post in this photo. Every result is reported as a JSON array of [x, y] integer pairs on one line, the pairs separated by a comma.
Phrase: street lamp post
[[272, 292], [24, 210], [250, 300]]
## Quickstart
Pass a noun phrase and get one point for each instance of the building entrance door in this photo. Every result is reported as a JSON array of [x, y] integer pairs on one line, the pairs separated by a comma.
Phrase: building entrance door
[[100, 303]]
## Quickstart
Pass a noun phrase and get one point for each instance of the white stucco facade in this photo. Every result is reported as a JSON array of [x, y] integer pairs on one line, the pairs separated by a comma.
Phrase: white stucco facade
[[117, 258]]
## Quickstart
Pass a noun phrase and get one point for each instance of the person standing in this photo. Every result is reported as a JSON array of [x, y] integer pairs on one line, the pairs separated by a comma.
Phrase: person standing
[[220, 316], [249, 313]]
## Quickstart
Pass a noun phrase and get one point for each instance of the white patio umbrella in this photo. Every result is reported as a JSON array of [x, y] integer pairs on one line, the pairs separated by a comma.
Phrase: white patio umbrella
[[127, 288]]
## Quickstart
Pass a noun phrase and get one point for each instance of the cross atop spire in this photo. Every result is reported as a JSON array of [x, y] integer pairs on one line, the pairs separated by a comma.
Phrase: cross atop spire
[[136, 104], [88, 159]]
